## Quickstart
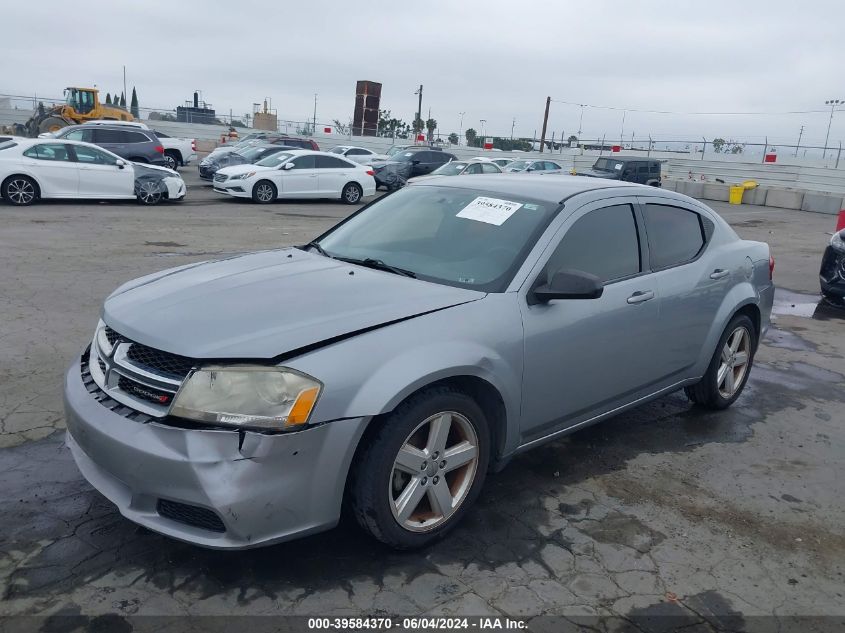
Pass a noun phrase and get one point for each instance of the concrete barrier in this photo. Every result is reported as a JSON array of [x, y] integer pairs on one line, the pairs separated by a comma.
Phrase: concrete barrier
[[670, 185], [784, 198], [755, 196], [694, 189], [715, 191], [821, 203]]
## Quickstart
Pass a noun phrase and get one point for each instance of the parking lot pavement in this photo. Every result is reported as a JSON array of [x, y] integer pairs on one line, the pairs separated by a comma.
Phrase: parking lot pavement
[[666, 510]]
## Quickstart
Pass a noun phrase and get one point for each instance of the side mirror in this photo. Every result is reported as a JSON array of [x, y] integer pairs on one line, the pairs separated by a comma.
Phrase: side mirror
[[287, 166], [568, 284], [415, 162], [120, 164]]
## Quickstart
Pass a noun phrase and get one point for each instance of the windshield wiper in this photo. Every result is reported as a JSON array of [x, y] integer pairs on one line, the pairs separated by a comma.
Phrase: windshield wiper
[[317, 248], [378, 264]]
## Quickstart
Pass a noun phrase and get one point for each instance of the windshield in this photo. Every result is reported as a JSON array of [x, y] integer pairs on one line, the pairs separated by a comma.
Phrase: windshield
[[275, 160], [450, 169], [393, 151], [518, 165], [608, 164], [458, 237], [251, 153]]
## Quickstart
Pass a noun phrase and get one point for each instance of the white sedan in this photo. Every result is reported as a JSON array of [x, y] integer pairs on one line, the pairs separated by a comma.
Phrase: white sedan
[[33, 169], [297, 173], [358, 154]]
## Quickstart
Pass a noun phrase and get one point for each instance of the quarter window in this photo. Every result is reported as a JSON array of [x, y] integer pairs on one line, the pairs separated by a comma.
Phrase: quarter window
[[135, 137], [48, 151], [489, 168], [604, 242], [552, 166], [675, 235]]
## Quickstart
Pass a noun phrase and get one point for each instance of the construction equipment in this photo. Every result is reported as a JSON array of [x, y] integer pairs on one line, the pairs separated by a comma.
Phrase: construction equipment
[[81, 104]]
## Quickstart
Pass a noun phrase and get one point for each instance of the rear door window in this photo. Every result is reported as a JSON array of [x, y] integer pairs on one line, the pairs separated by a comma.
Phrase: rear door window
[[603, 242], [330, 162], [136, 137], [48, 151], [552, 166], [675, 235], [108, 137], [489, 168]]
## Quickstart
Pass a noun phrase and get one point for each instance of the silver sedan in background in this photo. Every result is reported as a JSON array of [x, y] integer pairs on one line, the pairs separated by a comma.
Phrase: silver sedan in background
[[391, 363]]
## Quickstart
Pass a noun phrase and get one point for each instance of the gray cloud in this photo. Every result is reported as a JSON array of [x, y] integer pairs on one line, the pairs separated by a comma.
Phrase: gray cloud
[[495, 60]]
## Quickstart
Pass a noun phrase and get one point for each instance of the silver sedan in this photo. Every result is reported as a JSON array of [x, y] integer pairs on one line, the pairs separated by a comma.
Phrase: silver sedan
[[394, 361]]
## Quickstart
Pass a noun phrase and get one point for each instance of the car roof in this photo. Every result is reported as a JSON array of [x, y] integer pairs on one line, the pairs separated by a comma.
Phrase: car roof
[[625, 159], [549, 188]]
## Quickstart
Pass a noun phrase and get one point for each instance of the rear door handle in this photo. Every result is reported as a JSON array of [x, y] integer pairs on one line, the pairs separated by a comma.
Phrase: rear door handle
[[719, 273], [641, 296]]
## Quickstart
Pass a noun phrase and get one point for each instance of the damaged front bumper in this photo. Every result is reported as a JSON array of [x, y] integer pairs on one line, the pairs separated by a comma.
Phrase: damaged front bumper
[[218, 488]]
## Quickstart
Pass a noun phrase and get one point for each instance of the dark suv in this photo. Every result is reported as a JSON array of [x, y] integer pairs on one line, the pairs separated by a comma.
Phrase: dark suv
[[132, 143], [415, 161], [645, 171]]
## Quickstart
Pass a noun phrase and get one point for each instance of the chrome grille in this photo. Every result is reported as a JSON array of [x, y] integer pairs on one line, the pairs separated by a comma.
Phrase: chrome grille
[[136, 375], [219, 177]]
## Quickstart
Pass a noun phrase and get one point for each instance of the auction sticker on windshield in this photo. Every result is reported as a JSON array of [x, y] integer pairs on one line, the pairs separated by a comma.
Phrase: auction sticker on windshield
[[489, 210]]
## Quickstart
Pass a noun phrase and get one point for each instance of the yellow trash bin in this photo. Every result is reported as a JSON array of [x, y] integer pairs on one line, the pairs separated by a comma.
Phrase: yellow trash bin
[[736, 194]]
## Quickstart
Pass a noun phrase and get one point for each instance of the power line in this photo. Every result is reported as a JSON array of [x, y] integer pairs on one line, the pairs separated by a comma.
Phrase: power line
[[603, 107]]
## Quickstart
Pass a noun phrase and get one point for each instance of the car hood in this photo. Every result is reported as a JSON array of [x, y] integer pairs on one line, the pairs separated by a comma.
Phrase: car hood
[[234, 170], [593, 173], [143, 169], [266, 304]]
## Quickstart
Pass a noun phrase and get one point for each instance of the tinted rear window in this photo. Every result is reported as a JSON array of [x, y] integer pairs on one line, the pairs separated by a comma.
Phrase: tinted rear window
[[675, 235], [109, 136]]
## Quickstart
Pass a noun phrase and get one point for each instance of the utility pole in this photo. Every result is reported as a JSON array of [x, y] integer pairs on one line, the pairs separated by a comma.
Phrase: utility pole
[[419, 108], [512, 126], [314, 129], [545, 123], [622, 130], [461, 130], [832, 103], [800, 134], [483, 122], [580, 121]]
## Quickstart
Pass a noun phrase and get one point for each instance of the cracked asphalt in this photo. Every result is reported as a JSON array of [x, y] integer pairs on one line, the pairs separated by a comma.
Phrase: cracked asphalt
[[666, 510]]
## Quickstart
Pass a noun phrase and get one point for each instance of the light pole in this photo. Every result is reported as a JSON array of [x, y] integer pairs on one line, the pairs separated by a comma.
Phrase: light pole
[[832, 103], [512, 126], [580, 121], [461, 130], [482, 121]]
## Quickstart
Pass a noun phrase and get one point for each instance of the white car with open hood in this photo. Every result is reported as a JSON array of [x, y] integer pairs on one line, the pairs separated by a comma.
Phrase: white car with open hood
[[297, 174]]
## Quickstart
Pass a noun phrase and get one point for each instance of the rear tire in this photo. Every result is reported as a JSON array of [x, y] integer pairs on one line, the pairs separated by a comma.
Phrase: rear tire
[[729, 368], [264, 192], [171, 160], [410, 484], [20, 191], [352, 193]]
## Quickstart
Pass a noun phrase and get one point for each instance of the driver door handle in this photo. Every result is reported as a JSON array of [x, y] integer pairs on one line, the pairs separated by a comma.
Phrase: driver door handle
[[719, 273], [641, 296]]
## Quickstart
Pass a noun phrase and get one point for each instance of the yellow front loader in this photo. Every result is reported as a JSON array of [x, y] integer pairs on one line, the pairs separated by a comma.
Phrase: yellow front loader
[[81, 104]]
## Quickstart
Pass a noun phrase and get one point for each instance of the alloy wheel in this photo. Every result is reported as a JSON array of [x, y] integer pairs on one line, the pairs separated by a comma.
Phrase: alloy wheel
[[264, 193], [20, 191], [733, 366], [352, 194], [149, 193], [170, 162], [433, 471]]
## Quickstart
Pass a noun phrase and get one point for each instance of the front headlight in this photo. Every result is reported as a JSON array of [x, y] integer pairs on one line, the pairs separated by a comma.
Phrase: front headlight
[[248, 396], [248, 174], [837, 242]]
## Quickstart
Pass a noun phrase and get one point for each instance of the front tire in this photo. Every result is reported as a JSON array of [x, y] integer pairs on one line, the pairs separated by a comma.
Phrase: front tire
[[422, 469], [352, 193], [264, 192], [729, 368], [149, 193], [20, 191]]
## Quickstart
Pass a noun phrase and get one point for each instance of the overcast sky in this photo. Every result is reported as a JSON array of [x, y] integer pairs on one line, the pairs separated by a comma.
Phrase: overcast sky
[[494, 60]]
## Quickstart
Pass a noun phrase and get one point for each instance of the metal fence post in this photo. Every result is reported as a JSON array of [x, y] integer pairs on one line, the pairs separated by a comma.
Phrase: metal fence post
[[703, 147], [649, 146], [838, 154], [765, 149]]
